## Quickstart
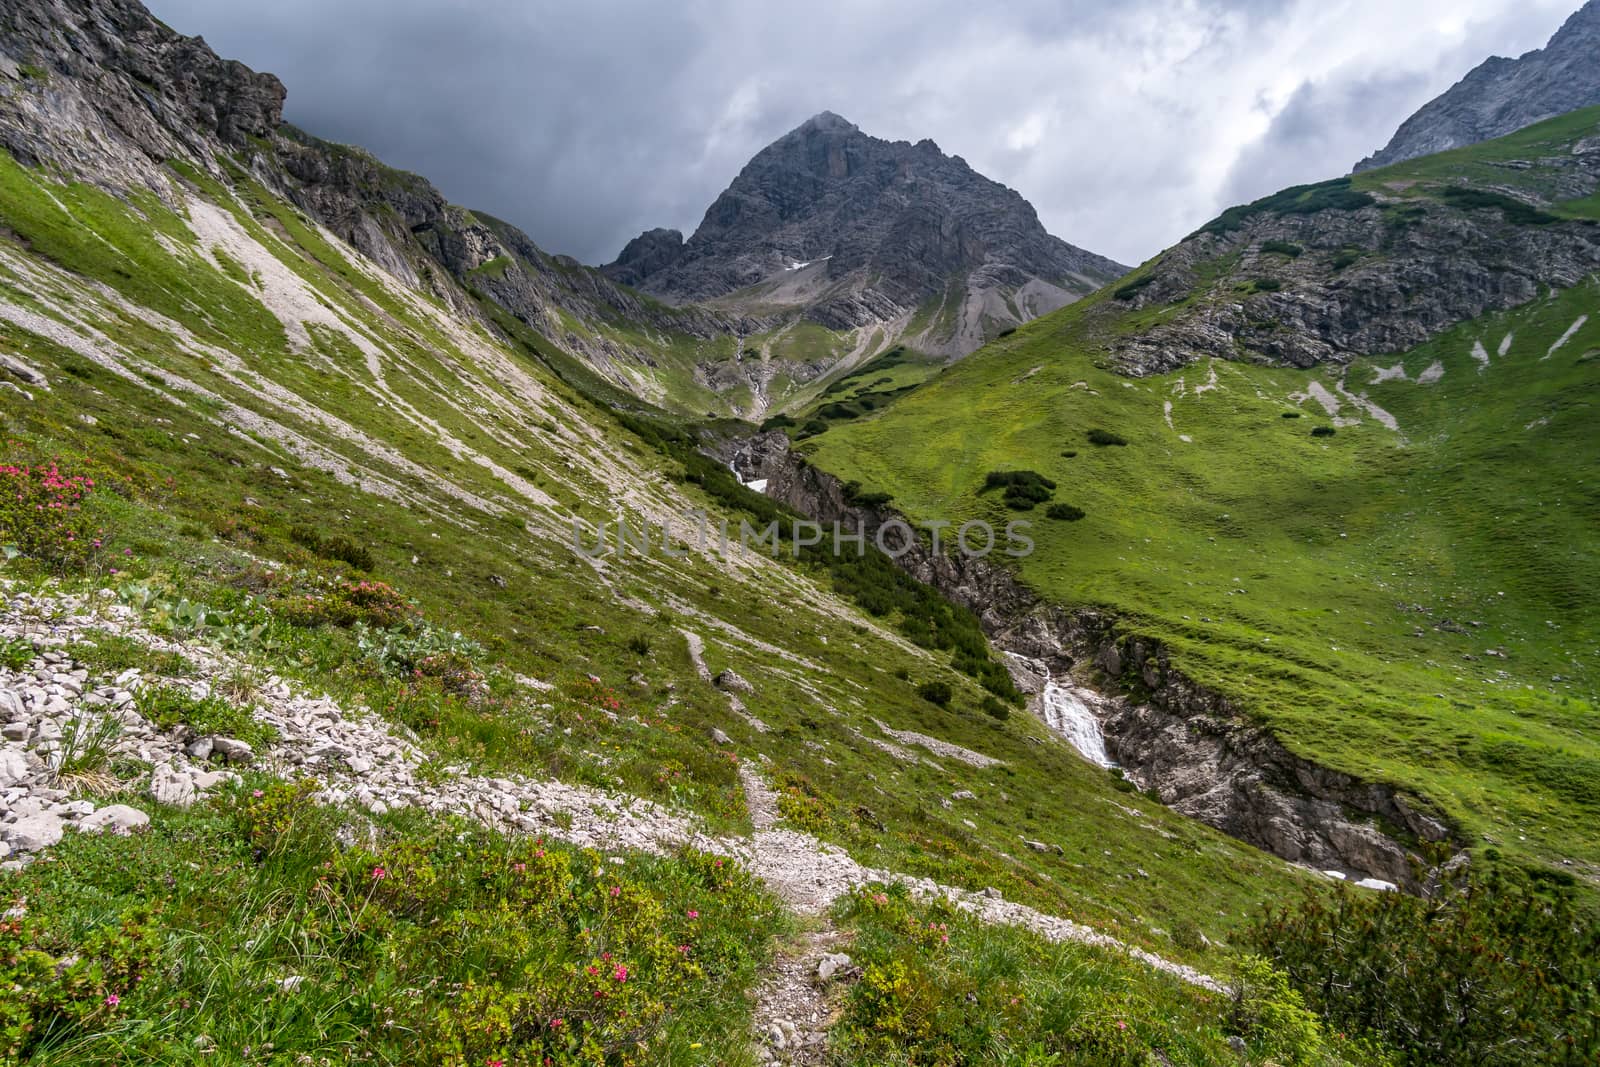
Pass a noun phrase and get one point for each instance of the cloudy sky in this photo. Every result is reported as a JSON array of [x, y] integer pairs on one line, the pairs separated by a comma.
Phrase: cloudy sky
[[1127, 123]]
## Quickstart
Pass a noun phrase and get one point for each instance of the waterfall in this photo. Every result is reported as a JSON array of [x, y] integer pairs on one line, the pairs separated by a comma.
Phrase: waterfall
[[1066, 713]]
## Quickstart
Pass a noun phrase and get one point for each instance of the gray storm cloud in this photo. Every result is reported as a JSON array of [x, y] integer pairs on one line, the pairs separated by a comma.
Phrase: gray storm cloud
[[1127, 124]]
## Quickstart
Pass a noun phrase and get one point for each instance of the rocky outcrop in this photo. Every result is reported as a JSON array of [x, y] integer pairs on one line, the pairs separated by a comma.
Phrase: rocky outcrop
[[859, 230], [101, 91], [650, 253], [1369, 275], [1189, 745], [1502, 95]]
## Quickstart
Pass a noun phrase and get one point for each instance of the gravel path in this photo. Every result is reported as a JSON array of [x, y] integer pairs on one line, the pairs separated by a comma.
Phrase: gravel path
[[362, 760]]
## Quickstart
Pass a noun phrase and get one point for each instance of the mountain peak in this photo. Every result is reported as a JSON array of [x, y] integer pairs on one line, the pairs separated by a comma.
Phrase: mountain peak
[[889, 225], [827, 121], [1502, 95]]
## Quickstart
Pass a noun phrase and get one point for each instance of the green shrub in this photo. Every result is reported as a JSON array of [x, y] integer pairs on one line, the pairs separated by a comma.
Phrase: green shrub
[[1344, 257], [1282, 248], [344, 604], [639, 645], [1065, 512], [935, 693], [15, 653], [1322, 431], [994, 708], [1498, 969], [1265, 285], [1105, 439], [1007, 332], [1291, 414], [167, 706], [1333, 195], [53, 996], [47, 514], [813, 427], [1069, 454], [335, 547], [1272, 1016], [1131, 289], [778, 422], [1515, 211], [1023, 489]]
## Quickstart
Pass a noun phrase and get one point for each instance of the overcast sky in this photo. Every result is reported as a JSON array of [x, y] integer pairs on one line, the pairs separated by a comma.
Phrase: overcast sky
[[1127, 123]]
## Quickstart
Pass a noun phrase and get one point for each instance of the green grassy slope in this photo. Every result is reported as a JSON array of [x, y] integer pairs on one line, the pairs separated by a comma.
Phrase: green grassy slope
[[459, 464], [1412, 605]]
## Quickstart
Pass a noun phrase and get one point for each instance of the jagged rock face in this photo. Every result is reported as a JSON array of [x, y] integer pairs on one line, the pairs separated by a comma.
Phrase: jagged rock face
[[649, 253], [102, 91], [904, 220], [1376, 279], [1502, 95], [109, 66]]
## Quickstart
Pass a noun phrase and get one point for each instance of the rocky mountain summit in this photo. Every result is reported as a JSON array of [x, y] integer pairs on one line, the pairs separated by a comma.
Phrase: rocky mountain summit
[[1501, 95], [859, 230]]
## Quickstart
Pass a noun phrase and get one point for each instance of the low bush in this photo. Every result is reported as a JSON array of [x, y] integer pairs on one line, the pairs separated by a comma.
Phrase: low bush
[[1265, 285], [1499, 968], [1515, 211], [1322, 431], [1127, 292], [1105, 439], [46, 515], [167, 706], [419, 940], [1282, 248], [1291, 414], [935, 693], [15, 653], [344, 604], [994, 708], [335, 547], [1023, 489], [1065, 512]]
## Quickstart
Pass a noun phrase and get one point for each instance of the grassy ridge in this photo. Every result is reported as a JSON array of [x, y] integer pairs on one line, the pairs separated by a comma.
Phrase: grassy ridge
[[1405, 605]]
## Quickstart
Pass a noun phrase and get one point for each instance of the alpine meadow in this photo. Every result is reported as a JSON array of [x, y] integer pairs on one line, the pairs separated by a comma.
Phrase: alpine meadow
[[868, 630]]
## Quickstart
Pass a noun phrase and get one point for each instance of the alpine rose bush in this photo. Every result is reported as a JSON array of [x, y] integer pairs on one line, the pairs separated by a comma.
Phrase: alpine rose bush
[[42, 516]]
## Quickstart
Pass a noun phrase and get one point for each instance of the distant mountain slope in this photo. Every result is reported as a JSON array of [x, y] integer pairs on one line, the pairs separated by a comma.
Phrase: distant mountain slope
[[1332, 459], [858, 230], [1502, 95]]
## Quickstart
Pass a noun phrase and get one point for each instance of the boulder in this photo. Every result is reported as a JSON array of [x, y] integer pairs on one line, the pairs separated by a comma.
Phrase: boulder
[[115, 818]]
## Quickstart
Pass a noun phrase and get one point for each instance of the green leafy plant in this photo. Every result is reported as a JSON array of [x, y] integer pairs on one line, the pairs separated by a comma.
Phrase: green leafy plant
[[1499, 968], [168, 705]]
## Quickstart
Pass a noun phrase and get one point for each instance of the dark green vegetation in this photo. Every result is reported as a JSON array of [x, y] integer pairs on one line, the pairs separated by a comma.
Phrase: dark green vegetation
[[1296, 200], [1404, 605], [250, 930], [940, 988], [1022, 489], [1499, 970]]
